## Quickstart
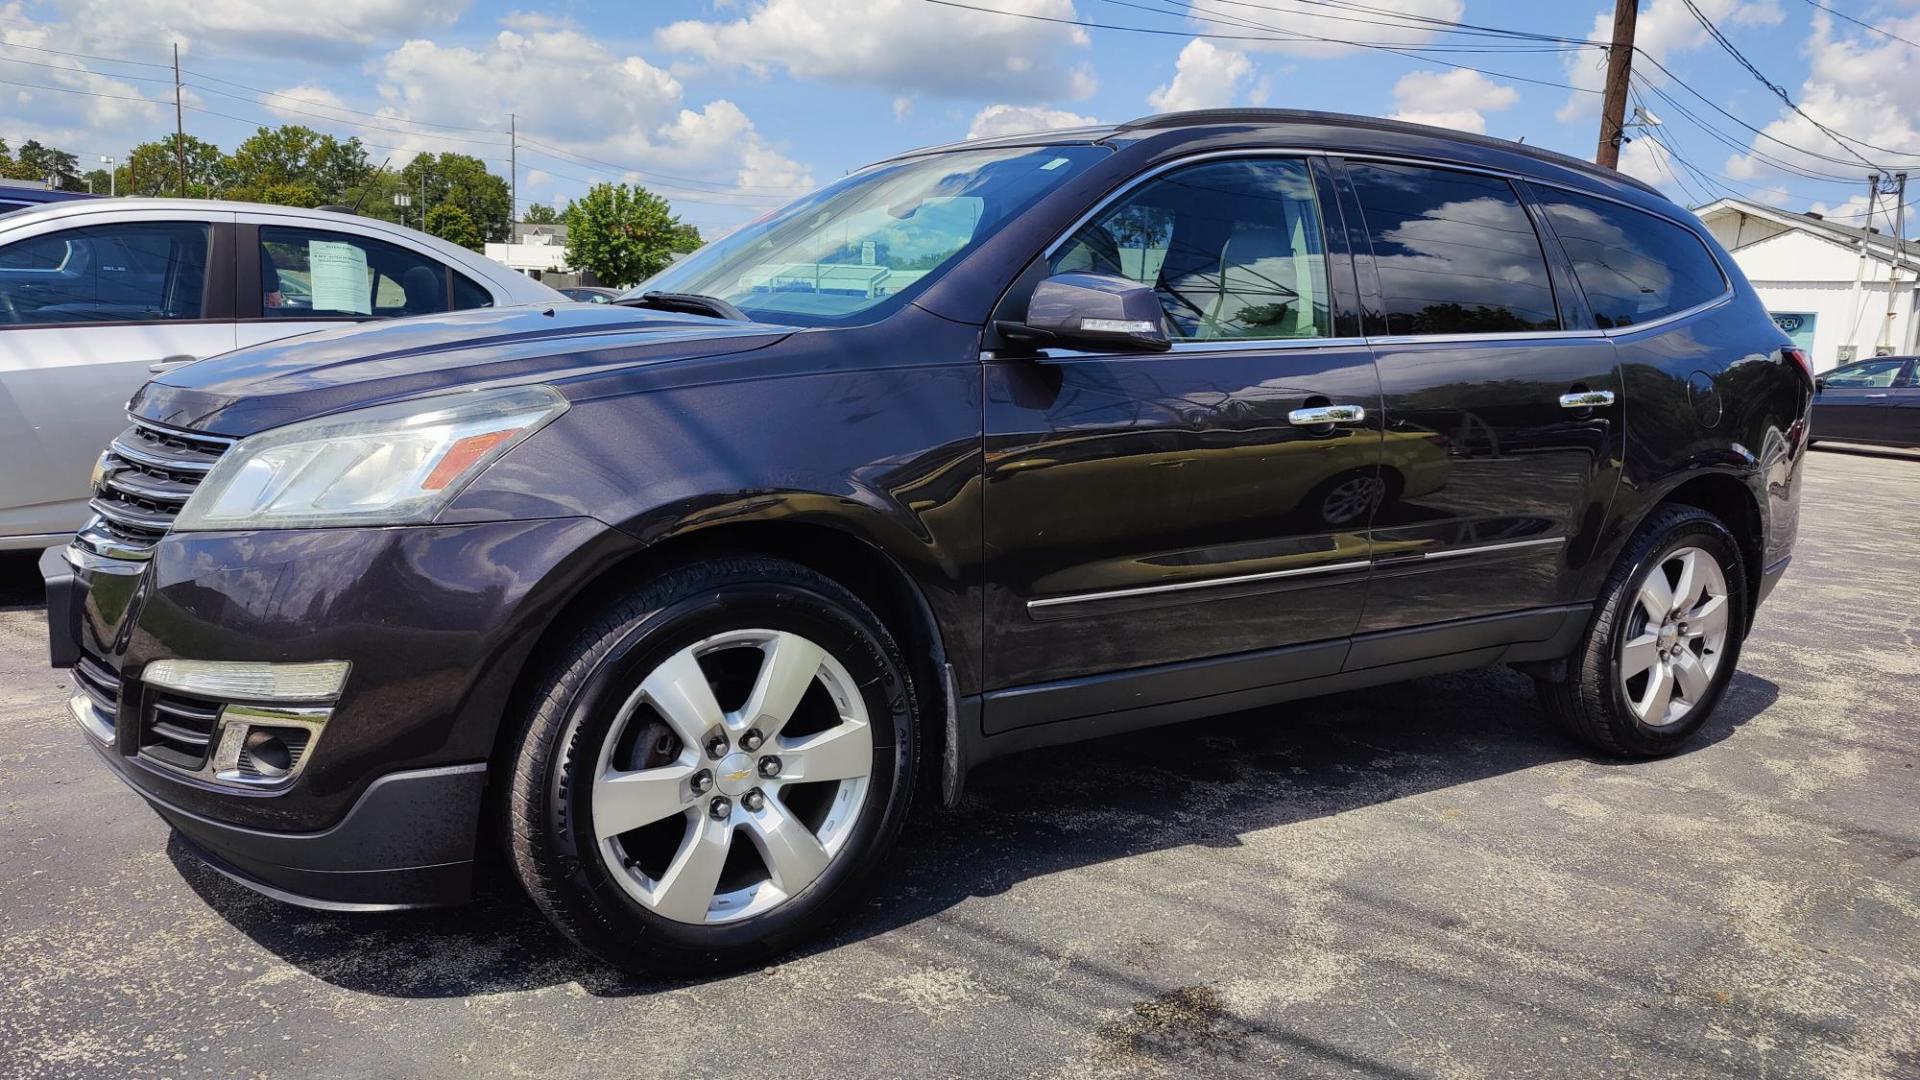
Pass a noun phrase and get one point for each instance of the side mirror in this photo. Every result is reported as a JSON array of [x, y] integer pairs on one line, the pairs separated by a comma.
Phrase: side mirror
[[1092, 311], [1819, 382]]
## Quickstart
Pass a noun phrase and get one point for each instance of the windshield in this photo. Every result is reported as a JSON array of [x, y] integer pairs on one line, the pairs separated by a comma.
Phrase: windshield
[[859, 248]]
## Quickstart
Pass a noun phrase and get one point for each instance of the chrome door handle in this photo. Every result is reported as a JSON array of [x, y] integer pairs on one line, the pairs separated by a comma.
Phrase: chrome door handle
[[1875, 396], [1327, 414], [168, 363], [1586, 399]]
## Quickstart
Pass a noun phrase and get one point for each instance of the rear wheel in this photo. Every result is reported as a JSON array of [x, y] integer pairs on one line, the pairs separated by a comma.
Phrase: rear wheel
[[1662, 647], [711, 771]]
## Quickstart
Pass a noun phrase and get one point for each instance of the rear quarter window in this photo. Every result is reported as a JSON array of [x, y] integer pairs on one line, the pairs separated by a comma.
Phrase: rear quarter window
[[1633, 266]]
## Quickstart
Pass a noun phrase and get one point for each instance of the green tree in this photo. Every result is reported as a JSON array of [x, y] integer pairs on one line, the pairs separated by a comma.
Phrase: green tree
[[621, 234], [34, 161], [541, 214], [452, 224], [296, 166], [686, 238], [433, 179], [152, 169]]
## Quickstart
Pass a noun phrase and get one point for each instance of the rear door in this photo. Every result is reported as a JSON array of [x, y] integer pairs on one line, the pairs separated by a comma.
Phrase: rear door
[[1856, 401], [1502, 399], [1903, 424], [1146, 509], [86, 312], [295, 278]]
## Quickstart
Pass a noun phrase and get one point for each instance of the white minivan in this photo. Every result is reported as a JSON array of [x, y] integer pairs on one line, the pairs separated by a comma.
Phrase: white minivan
[[98, 294]]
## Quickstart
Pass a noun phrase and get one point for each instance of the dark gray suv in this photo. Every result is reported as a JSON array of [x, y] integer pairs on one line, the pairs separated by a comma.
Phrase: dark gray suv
[[676, 603]]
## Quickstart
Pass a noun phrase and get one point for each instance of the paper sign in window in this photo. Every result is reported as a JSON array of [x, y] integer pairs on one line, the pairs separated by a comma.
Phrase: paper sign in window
[[339, 276]]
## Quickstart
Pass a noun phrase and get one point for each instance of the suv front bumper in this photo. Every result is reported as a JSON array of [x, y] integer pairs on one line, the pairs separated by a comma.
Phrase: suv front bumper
[[435, 621]]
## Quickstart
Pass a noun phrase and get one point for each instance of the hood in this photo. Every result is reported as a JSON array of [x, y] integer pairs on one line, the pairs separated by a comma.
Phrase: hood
[[280, 382]]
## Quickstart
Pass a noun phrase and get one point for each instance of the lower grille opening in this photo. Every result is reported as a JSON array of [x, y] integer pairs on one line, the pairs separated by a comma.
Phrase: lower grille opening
[[100, 683], [179, 731]]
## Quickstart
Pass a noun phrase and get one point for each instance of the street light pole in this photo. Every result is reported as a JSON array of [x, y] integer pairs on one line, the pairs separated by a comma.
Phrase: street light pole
[[112, 179]]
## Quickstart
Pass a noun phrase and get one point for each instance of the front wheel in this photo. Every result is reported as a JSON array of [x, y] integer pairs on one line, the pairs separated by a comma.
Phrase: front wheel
[[1661, 649], [711, 771]]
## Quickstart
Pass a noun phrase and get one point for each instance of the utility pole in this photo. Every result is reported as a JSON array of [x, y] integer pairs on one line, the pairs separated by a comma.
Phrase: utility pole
[[1613, 108], [1884, 347], [513, 173], [1850, 351], [179, 124]]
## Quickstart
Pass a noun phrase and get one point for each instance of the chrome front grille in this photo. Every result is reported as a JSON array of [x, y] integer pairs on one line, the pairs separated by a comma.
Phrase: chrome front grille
[[143, 480]]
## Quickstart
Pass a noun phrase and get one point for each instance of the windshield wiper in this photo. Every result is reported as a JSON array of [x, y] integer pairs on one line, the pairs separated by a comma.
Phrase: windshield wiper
[[689, 304]]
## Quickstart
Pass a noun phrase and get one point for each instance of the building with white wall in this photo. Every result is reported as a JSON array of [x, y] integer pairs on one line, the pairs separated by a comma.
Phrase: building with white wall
[[538, 251], [1842, 292]]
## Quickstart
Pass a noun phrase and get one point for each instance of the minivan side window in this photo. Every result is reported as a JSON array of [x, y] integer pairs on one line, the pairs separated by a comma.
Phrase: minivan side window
[[1455, 251], [1634, 267], [314, 273], [1233, 249], [126, 272]]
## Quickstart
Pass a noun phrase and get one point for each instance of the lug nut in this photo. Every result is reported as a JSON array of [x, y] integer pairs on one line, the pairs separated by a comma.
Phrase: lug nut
[[769, 767], [717, 747], [702, 780], [753, 801], [720, 807], [751, 741]]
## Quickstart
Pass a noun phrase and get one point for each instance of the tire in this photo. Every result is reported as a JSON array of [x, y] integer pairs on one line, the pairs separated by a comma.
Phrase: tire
[[1347, 499], [622, 697], [1600, 700]]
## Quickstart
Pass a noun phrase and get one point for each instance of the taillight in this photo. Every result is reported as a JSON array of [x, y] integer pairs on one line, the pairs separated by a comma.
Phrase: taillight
[[1799, 357]]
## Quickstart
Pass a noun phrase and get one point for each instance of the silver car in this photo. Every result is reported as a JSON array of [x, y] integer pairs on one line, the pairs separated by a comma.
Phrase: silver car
[[97, 295]]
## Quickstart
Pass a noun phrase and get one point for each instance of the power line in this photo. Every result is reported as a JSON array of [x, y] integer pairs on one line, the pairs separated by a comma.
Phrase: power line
[[1407, 52], [1778, 90], [1863, 24]]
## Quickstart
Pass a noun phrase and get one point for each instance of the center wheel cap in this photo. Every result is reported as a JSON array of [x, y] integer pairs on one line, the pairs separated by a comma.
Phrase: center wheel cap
[[734, 775]]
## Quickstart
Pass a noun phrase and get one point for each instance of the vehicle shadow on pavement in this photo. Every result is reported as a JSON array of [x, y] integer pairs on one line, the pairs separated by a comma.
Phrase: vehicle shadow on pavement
[[1201, 783], [20, 585]]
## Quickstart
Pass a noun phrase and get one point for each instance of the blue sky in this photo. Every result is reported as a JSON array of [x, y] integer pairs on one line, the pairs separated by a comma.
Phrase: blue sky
[[731, 107]]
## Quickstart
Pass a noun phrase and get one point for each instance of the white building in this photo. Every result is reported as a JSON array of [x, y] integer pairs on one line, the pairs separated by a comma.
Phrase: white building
[[1826, 283], [538, 251]]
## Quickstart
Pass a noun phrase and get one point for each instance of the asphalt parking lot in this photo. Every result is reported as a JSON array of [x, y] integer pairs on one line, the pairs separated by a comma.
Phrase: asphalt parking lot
[[1420, 880]]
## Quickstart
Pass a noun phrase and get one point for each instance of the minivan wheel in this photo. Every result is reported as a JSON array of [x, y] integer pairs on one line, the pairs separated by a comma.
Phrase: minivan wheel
[[710, 771], [1658, 654]]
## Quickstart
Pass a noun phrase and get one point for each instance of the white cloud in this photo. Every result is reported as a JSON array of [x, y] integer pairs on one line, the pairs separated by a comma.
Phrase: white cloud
[[1859, 85], [634, 116], [337, 28], [901, 45], [1205, 77], [902, 109], [89, 114], [1664, 27], [1457, 99], [1016, 119], [1301, 31]]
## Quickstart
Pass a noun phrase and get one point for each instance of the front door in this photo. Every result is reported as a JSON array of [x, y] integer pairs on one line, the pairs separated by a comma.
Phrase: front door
[[1147, 509], [1493, 466], [1857, 401], [86, 312]]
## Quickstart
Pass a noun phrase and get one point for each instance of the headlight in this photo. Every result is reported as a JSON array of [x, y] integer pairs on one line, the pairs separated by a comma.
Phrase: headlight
[[396, 464]]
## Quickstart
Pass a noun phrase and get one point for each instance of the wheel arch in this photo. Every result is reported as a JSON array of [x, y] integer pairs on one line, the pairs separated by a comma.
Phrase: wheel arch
[[833, 548], [1730, 498]]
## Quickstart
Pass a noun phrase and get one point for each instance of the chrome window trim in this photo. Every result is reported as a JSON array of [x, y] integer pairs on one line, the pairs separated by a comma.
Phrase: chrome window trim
[[1046, 602], [1244, 344]]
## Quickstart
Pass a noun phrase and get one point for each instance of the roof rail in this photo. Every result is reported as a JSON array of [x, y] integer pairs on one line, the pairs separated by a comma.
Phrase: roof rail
[[1199, 117]]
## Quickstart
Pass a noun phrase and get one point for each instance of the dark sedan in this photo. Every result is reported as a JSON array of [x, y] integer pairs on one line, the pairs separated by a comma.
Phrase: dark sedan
[[591, 294], [1870, 401]]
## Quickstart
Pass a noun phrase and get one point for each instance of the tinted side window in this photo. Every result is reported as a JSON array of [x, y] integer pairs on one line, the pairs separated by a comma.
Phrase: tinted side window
[[309, 273], [1634, 267], [131, 272], [466, 294], [1233, 248], [1866, 373], [1456, 251]]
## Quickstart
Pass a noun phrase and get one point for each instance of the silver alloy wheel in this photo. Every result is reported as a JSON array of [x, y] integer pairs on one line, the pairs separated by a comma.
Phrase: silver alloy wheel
[[1675, 637], [725, 786], [1352, 500]]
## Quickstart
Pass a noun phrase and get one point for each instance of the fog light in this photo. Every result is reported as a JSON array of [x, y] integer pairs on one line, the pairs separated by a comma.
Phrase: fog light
[[249, 681], [267, 753]]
